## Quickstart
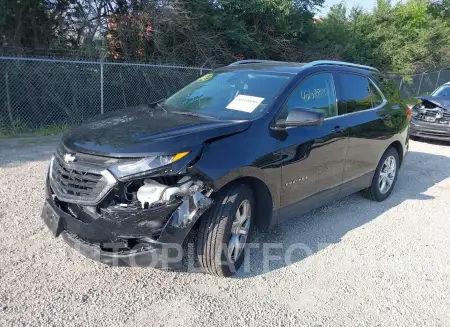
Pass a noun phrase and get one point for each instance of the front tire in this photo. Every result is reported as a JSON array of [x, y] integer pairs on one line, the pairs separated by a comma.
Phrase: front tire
[[225, 229], [385, 176]]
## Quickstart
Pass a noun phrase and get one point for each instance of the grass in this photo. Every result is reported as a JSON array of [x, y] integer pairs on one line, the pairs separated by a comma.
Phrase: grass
[[20, 130], [52, 130]]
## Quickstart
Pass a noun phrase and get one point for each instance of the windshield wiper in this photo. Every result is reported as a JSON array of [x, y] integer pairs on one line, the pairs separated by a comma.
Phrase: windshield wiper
[[190, 113], [161, 106]]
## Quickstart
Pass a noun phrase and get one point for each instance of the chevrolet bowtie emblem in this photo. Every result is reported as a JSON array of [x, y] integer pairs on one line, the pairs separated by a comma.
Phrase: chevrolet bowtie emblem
[[69, 158]]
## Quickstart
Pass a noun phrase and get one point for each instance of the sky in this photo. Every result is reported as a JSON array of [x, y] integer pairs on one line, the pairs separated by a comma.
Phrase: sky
[[366, 4]]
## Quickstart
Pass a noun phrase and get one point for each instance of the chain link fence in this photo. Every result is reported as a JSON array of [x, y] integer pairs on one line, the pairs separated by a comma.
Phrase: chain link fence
[[47, 95], [422, 84], [39, 94]]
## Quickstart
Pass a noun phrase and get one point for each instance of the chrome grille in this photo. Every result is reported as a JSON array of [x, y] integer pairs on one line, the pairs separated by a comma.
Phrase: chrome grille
[[79, 183]]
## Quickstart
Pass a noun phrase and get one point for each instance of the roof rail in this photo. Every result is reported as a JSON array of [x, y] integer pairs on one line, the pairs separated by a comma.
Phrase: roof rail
[[339, 63], [309, 64], [251, 61]]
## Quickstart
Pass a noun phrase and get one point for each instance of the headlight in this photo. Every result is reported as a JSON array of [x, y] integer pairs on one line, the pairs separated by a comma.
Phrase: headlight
[[122, 169]]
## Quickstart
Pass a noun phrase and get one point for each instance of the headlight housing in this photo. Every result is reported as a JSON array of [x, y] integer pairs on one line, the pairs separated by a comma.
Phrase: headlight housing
[[140, 167]]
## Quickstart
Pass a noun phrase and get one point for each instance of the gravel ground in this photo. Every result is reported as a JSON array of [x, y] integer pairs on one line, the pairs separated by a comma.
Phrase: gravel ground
[[367, 264]]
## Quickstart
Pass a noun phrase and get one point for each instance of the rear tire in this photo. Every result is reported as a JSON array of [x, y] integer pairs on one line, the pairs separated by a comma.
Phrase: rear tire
[[385, 176], [224, 225]]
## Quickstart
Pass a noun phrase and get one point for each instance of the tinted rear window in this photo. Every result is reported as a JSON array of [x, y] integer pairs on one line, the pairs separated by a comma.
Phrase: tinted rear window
[[354, 93], [377, 99], [389, 88]]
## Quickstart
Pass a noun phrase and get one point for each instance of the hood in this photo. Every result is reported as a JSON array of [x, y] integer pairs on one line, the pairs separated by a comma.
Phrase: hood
[[141, 131], [442, 102]]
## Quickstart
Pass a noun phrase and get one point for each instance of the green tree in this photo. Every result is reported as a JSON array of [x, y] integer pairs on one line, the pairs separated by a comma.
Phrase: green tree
[[31, 23], [405, 38]]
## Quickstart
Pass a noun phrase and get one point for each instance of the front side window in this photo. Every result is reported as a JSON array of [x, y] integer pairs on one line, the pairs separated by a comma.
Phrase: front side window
[[316, 92], [354, 93], [443, 91], [233, 95]]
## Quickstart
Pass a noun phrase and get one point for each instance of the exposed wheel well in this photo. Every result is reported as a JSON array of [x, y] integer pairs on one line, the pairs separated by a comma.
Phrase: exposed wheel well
[[263, 199], [399, 147]]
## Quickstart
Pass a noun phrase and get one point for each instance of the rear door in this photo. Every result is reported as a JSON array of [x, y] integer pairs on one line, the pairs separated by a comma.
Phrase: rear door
[[367, 116], [314, 156]]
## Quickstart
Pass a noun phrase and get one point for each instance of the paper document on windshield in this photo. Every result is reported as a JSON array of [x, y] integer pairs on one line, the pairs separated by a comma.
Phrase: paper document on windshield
[[245, 103]]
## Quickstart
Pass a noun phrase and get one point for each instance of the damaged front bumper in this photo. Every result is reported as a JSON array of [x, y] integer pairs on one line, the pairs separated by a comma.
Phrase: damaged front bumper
[[428, 130], [123, 236]]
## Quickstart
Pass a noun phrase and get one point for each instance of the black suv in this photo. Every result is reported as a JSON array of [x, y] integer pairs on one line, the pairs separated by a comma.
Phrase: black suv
[[250, 144]]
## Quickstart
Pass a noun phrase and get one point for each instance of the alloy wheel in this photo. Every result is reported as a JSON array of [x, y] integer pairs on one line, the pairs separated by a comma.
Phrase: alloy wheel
[[387, 174], [239, 231]]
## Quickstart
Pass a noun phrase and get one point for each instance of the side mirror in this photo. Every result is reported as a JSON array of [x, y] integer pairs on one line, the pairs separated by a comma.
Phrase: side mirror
[[302, 117]]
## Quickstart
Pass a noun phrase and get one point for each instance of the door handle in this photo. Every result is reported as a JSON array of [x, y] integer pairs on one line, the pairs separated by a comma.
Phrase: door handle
[[339, 129]]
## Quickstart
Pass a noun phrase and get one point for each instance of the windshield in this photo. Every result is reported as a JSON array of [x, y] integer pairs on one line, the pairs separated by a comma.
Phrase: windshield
[[233, 95], [443, 91]]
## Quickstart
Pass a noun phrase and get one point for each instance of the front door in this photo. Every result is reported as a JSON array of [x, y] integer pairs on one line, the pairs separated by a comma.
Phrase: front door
[[314, 156]]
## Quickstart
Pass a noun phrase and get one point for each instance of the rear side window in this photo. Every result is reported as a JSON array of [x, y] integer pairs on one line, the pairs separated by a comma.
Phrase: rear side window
[[389, 88], [377, 98], [354, 93]]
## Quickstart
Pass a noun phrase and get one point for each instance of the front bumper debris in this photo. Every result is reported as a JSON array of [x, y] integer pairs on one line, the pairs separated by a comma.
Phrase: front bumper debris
[[128, 236], [428, 130]]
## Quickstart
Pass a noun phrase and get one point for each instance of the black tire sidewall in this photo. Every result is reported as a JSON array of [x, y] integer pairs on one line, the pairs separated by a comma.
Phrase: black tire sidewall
[[242, 192], [375, 188]]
